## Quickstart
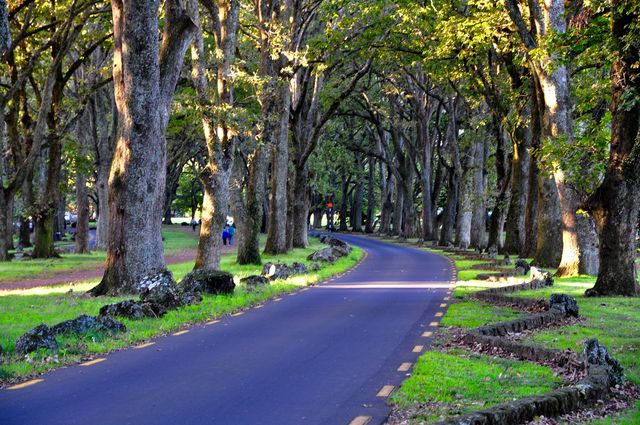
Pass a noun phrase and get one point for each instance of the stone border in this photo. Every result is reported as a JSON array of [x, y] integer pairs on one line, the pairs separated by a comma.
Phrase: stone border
[[589, 390]]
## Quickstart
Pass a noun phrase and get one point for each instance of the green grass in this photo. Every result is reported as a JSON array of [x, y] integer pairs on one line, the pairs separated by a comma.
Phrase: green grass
[[471, 314], [614, 321], [176, 240], [23, 310], [461, 382]]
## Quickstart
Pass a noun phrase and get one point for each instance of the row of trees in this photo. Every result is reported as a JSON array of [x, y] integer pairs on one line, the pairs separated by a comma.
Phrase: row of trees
[[419, 117]]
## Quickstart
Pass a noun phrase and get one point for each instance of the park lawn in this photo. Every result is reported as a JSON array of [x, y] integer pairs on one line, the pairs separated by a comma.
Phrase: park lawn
[[23, 310], [176, 240], [614, 321], [460, 382]]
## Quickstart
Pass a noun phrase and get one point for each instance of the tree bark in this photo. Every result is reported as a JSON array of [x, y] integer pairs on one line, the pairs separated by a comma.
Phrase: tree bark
[[478, 237], [82, 197], [144, 82], [249, 249], [4, 212], [616, 202], [219, 139], [358, 195], [516, 215], [277, 229], [371, 197]]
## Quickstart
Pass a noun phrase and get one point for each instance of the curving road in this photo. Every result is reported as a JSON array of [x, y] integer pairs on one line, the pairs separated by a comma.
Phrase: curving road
[[327, 355]]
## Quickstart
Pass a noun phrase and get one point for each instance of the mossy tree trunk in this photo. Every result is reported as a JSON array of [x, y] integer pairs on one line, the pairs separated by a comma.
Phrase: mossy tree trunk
[[615, 204]]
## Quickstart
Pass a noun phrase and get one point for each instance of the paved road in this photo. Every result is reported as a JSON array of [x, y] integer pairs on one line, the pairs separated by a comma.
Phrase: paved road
[[319, 356]]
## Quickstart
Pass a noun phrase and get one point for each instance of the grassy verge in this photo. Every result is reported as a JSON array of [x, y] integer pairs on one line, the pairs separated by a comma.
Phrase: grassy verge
[[460, 382], [614, 321], [23, 310], [176, 240]]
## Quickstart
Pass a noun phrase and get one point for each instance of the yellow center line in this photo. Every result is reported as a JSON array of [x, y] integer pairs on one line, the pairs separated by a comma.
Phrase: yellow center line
[[434, 324], [148, 344], [385, 391], [213, 322], [418, 348], [443, 305], [180, 332], [360, 420], [439, 314], [25, 384], [427, 334], [404, 367], [92, 362]]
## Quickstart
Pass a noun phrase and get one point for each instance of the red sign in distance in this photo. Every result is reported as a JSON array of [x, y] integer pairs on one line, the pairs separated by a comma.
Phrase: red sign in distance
[[330, 205]]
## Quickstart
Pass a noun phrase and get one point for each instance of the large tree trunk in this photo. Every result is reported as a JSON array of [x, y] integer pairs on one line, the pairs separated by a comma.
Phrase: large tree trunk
[[249, 249], [104, 141], [515, 225], [219, 139], [615, 204], [449, 213], [465, 199], [45, 216], [144, 81], [277, 229], [549, 240], [478, 237]]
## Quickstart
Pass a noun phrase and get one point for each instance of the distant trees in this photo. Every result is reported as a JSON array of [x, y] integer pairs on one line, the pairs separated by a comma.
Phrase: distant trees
[[488, 126]]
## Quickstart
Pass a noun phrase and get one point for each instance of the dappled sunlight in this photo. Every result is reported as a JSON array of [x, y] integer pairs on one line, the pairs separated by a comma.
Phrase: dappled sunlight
[[49, 290]]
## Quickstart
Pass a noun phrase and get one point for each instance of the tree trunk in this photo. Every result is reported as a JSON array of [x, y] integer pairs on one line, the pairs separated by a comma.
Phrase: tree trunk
[[358, 196], [102, 189], [82, 196], [47, 208], [398, 208], [531, 217], [144, 81], [218, 137], [301, 207], [465, 198], [516, 215], [371, 197], [449, 213], [4, 230], [478, 237], [615, 204], [386, 185], [10, 229], [344, 205], [549, 240], [277, 229], [249, 249]]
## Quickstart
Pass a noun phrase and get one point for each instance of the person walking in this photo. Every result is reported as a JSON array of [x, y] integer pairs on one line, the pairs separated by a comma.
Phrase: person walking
[[231, 231], [225, 234]]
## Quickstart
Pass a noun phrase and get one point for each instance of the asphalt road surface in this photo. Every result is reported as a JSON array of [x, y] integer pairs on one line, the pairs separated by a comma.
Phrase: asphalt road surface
[[326, 355]]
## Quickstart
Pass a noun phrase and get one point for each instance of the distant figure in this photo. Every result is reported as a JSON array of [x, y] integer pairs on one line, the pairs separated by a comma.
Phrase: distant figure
[[225, 235], [194, 223], [231, 230]]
